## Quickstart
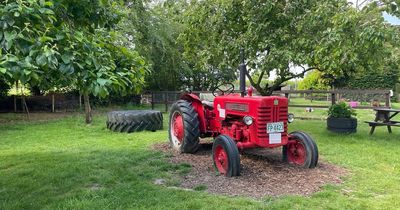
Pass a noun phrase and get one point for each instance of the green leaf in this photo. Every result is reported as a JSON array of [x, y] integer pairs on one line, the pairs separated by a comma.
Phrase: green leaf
[[3, 70], [10, 35], [66, 58], [46, 11], [27, 72], [48, 3], [41, 60], [16, 14], [60, 36], [79, 65], [46, 39], [9, 44], [12, 58], [103, 82], [88, 61]]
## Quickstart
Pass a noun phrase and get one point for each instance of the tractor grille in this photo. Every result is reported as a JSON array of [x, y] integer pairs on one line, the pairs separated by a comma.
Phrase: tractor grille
[[268, 115]]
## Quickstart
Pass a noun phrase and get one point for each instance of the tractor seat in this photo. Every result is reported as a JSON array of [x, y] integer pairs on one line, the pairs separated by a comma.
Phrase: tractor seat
[[207, 99], [208, 104]]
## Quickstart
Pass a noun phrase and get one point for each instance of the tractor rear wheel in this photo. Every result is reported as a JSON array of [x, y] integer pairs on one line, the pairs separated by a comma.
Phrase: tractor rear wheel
[[301, 150], [226, 156], [184, 129]]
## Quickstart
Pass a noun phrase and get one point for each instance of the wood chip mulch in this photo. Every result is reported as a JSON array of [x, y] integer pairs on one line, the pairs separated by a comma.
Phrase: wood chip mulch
[[262, 174]]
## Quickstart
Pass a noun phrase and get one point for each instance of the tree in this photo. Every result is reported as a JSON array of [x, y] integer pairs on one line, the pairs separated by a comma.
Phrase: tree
[[4, 88], [330, 36], [313, 80], [153, 30], [390, 6], [53, 44]]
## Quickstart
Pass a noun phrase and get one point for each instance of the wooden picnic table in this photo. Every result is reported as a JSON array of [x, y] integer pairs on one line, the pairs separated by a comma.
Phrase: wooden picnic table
[[383, 117]]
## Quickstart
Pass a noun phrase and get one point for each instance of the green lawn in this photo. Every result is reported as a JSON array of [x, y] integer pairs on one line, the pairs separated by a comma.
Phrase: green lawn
[[65, 164]]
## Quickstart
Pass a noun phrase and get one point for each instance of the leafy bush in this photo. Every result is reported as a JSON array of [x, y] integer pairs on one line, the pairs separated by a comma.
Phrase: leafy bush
[[313, 81], [341, 110], [4, 88]]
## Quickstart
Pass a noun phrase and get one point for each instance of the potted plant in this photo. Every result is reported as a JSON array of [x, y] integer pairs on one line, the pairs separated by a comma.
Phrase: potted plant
[[340, 118]]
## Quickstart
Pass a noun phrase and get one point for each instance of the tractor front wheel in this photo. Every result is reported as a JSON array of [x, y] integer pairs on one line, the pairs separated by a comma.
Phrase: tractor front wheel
[[184, 129], [301, 150], [226, 156]]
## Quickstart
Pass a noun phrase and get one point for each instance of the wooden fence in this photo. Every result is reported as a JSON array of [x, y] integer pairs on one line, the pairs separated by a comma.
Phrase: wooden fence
[[50, 102], [167, 98]]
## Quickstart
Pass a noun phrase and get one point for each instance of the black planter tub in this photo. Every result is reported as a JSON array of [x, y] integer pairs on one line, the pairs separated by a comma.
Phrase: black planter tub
[[342, 125]]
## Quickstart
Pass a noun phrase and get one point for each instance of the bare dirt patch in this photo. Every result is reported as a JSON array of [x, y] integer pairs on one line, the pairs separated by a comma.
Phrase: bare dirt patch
[[262, 174]]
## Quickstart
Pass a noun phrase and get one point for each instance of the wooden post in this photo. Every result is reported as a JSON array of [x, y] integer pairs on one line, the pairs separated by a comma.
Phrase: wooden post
[[25, 106], [152, 100], [88, 109], [52, 103], [166, 101], [387, 101], [22, 104], [287, 96], [15, 103], [80, 101], [333, 98]]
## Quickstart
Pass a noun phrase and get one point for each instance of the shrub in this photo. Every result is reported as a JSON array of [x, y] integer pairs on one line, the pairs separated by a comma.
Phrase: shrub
[[4, 88], [341, 110]]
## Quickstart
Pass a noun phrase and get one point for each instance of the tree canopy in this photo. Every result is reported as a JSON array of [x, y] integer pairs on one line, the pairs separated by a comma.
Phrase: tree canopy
[[53, 44], [330, 36], [104, 47]]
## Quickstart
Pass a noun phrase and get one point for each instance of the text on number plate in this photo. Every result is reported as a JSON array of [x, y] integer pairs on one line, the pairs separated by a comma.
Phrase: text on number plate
[[276, 127]]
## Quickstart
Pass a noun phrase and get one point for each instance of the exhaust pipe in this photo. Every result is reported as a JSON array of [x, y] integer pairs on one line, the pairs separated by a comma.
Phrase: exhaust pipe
[[242, 75]]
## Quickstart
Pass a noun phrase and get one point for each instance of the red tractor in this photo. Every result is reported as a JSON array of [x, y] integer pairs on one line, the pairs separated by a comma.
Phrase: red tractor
[[238, 122]]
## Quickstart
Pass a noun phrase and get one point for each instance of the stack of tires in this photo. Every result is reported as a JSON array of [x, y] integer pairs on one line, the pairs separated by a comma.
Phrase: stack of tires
[[134, 120]]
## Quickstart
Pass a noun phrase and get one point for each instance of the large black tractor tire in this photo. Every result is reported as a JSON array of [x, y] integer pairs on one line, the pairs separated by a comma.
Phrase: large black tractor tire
[[226, 156], [134, 121], [342, 125], [301, 150], [184, 129]]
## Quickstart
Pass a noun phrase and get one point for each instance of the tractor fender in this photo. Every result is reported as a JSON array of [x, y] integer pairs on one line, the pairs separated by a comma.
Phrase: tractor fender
[[198, 107]]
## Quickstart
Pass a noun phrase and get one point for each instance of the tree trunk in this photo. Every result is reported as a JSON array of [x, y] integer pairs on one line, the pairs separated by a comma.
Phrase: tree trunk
[[88, 110], [25, 107]]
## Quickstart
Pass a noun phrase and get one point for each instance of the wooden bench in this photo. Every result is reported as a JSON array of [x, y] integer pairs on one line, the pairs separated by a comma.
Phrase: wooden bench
[[373, 124], [383, 117]]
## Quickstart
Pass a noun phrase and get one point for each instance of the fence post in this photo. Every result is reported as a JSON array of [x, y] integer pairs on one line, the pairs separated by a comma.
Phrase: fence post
[[152, 100], [15, 104], [80, 101], [333, 98], [166, 101], [387, 97], [52, 103]]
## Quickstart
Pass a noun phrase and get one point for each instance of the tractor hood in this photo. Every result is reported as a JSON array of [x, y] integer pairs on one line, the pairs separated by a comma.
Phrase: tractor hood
[[249, 106]]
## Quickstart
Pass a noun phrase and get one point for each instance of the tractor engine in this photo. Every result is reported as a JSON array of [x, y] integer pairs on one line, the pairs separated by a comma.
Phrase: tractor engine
[[252, 121]]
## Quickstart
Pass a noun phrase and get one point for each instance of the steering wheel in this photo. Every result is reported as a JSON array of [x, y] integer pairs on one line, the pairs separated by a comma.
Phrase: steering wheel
[[224, 91]]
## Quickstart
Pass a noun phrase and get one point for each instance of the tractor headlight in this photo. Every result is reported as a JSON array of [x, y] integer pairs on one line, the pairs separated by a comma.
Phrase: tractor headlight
[[248, 120], [290, 117]]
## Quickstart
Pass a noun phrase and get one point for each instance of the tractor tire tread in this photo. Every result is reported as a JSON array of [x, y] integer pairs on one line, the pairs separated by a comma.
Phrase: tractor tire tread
[[191, 123], [134, 121]]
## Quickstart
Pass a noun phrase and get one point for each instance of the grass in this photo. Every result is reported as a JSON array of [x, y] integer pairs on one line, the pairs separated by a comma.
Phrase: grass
[[65, 164]]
